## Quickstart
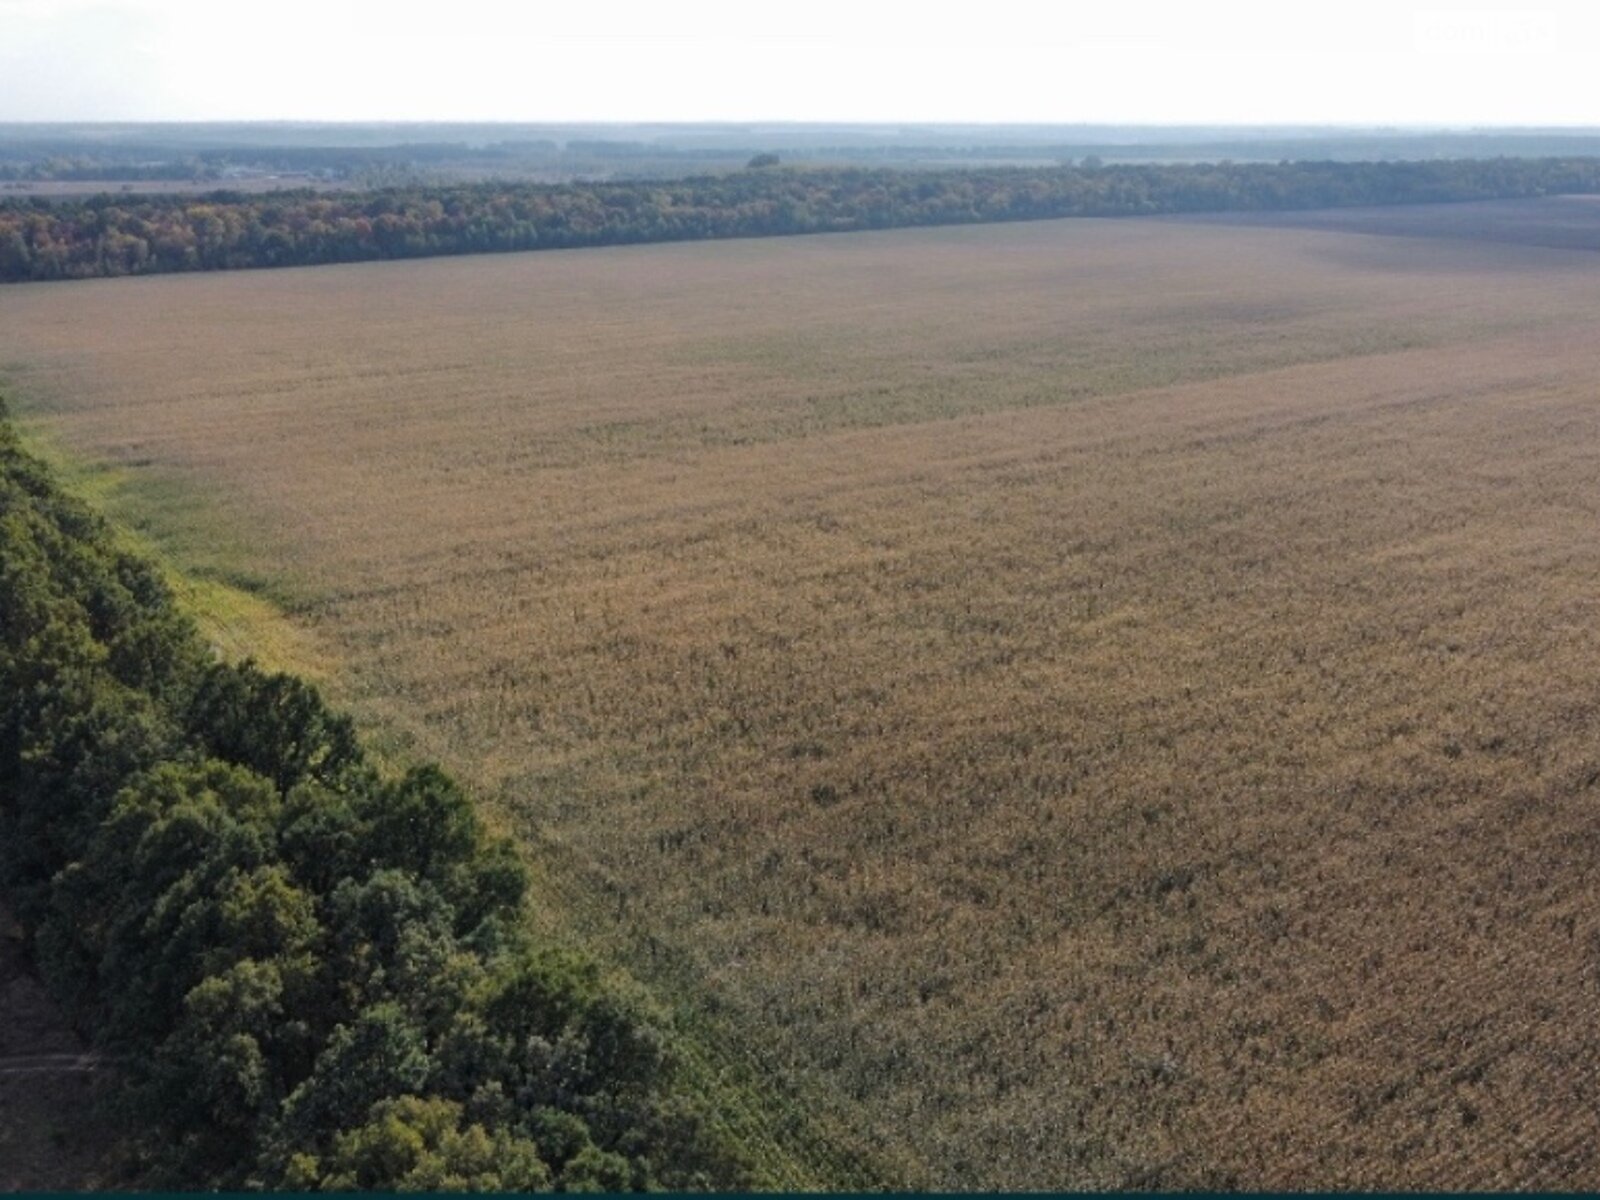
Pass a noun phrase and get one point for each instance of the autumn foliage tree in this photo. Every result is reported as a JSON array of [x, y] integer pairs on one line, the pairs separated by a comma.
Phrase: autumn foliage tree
[[126, 235]]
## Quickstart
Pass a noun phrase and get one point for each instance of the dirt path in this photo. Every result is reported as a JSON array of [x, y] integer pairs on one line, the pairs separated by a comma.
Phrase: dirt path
[[52, 1135], [50, 1064]]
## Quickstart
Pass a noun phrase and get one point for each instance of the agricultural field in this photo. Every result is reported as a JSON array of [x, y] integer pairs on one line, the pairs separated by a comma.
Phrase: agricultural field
[[1079, 704], [75, 189], [1559, 222]]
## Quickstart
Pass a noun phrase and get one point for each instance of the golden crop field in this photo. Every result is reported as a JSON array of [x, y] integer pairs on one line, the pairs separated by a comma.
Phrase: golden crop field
[[1089, 703]]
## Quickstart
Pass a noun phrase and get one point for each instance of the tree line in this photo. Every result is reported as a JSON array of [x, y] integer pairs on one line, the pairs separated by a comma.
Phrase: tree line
[[118, 235], [311, 976]]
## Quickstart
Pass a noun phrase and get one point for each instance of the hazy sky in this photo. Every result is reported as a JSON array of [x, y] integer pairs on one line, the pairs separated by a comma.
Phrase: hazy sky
[[834, 60]]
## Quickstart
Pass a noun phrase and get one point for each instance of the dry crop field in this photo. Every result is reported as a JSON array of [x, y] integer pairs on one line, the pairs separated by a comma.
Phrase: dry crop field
[[1092, 703], [1560, 222]]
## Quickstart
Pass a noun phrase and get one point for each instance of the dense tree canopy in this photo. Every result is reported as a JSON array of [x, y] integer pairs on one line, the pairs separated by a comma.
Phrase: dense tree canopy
[[123, 235], [312, 976]]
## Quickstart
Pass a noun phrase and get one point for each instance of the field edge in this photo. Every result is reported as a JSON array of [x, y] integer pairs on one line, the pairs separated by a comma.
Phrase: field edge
[[791, 1148]]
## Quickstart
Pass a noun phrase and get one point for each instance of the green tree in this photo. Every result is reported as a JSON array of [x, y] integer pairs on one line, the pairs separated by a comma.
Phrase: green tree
[[274, 724], [411, 1144]]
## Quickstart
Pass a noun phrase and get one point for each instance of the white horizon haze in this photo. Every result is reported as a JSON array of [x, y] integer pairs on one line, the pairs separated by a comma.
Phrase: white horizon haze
[[1396, 64]]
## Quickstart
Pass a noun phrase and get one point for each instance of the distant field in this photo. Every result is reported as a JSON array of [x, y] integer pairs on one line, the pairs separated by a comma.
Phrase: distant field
[[1559, 222], [77, 189], [1101, 703]]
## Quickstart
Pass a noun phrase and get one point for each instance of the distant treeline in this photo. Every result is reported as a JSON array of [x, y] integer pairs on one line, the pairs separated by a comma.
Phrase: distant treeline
[[308, 975], [30, 164], [110, 235], [89, 168]]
